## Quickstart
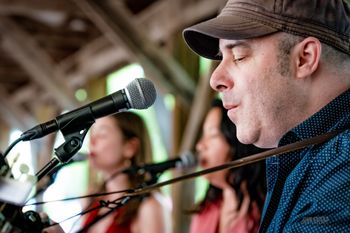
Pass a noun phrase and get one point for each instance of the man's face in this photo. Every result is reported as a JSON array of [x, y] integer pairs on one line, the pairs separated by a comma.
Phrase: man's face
[[254, 91]]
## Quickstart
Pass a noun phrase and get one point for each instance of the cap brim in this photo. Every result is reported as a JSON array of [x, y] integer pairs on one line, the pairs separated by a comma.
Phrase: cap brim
[[203, 38]]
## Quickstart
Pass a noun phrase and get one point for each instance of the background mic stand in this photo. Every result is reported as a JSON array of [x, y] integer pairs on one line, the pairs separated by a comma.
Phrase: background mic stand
[[120, 202], [151, 174], [123, 201], [73, 141]]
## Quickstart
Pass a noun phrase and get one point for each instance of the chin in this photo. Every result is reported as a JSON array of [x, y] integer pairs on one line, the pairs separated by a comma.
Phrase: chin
[[244, 138], [93, 164], [216, 184], [247, 135], [266, 145], [213, 181]]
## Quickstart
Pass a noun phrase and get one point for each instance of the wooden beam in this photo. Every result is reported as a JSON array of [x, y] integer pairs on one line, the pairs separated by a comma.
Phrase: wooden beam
[[160, 20], [24, 94], [184, 191], [34, 6], [36, 62], [161, 67], [13, 114], [94, 59], [70, 40], [164, 18], [4, 134], [102, 62]]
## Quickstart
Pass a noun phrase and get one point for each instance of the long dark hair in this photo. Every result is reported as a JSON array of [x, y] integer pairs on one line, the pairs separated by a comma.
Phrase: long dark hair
[[132, 126], [253, 175]]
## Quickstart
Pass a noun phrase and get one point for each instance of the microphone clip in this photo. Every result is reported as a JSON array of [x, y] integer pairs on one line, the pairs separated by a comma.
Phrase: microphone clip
[[149, 176], [73, 142]]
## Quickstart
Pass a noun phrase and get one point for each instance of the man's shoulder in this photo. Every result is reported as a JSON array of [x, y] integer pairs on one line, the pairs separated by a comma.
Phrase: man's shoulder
[[329, 157], [341, 140]]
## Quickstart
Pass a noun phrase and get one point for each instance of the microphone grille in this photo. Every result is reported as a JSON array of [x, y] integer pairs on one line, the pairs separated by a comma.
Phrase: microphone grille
[[188, 160], [141, 93]]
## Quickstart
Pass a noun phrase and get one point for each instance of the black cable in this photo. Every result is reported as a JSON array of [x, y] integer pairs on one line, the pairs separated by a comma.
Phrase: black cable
[[81, 197], [119, 202], [123, 201], [99, 190], [11, 146], [76, 215]]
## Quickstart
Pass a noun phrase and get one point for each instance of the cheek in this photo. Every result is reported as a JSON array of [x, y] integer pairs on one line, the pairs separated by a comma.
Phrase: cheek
[[259, 89], [217, 179], [272, 90], [109, 148]]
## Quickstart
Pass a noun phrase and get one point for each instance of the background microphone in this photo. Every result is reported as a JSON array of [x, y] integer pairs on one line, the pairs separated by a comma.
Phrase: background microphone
[[139, 94], [186, 161]]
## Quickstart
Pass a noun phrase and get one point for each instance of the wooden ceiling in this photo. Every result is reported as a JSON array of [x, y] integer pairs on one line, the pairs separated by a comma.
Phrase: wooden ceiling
[[51, 48]]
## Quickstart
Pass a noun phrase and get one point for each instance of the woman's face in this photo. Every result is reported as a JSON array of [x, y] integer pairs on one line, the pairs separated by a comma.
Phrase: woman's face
[[212, 148], [107, 145]]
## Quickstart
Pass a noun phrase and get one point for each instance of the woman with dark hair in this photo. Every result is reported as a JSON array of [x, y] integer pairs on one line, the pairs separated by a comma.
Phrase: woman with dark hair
[[235, 197], [118, 142]]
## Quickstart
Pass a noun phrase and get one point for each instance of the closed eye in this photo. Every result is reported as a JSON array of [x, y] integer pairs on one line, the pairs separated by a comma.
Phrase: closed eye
[[238, 59]]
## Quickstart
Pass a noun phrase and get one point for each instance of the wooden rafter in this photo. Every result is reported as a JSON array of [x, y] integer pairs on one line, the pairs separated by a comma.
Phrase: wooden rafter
[[117, 27], [92, 60], [13, 114], [36, 62]]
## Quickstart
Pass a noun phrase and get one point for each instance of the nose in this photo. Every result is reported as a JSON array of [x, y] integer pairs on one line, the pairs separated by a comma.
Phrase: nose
[[200, 145], [92, 141], [221, 79]]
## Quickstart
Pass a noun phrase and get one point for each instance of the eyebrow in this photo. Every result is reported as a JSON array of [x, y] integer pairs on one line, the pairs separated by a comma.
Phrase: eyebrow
[[239, 43]]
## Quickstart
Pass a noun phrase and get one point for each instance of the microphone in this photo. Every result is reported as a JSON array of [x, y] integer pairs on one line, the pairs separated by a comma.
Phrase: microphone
[[186, 161], [139, 94]]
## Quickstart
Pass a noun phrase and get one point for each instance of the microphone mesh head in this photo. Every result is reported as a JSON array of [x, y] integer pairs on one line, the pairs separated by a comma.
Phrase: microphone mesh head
[[188, 160], [141, 93]]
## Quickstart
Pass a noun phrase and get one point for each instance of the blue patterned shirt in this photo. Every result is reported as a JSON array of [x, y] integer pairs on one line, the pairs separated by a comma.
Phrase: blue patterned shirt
[[309, 190]]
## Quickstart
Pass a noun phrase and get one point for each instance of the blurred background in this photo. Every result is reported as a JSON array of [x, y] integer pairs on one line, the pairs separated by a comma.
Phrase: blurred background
[[57, 55]]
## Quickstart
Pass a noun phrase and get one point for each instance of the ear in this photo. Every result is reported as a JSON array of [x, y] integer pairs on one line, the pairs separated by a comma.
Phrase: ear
[[307, 57], [131, 147]]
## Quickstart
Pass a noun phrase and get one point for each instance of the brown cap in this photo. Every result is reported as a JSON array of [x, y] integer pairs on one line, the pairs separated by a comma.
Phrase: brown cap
[[327, 20]]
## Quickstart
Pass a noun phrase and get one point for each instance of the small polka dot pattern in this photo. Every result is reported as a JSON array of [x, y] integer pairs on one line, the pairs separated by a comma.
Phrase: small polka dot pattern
[[309, 190]]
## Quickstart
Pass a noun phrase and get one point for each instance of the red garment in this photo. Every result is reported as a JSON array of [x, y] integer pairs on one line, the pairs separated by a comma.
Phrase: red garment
[[208, 220], [114, 227]]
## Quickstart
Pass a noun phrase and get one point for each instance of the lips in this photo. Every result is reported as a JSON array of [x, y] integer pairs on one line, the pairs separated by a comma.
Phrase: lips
[[231, 109], [203, 162], [230, 106]]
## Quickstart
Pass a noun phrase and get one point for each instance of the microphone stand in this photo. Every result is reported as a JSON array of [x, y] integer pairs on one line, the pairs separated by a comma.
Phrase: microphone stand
[[99, 217], [73, 142], [153, 177], [242, 161], [51, 179]]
